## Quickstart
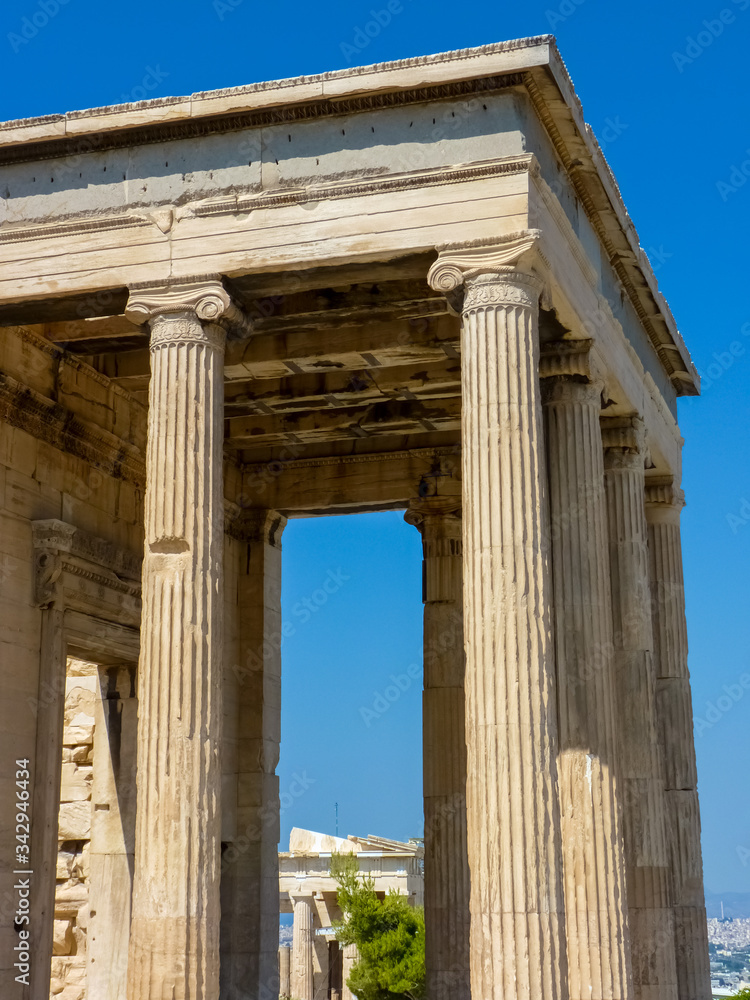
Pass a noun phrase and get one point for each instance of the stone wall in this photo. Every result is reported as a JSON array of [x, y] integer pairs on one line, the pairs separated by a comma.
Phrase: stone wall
[[69, 955], [71, 447]]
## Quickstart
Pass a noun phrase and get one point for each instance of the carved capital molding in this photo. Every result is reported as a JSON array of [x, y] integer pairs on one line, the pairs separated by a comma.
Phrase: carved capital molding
[[662, 493], [566, 358], [255, 524], [190, 310], [74, 570], [624, 442], [168, 329], [436, 513], [438, 520], [571, 391], [494, 272]]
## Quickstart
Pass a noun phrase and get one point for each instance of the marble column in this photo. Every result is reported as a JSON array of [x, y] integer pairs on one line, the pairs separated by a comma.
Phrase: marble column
[[285, 972], [174, 941], [302, 949], [446, 888], [250, 866], [664, 502], [639, 766], [513, 812], [593, 865]]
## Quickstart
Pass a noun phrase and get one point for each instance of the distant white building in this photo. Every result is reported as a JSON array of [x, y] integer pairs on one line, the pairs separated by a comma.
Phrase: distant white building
[[316, 966]]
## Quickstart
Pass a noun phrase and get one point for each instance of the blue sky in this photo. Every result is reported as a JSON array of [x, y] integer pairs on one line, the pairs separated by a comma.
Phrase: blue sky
[[667, 84]]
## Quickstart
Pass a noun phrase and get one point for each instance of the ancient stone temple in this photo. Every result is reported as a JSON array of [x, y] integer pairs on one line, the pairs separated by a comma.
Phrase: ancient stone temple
[[411, 286], [316, 965]]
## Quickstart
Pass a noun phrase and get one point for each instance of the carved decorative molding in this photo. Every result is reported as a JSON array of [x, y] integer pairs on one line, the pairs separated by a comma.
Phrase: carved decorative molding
[[255, 524], [507, 257], [624, 434], [566, 358], [379, 184], [77, 571], [203, 298], [183, 328], [447, 509], [21, 234], [662, 492]]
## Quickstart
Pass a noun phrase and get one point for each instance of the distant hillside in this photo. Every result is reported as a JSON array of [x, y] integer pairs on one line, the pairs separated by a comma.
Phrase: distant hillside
[[736, 904]]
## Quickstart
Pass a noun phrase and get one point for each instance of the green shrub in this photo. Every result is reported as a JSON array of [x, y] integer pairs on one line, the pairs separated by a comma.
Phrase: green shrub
[[388, 934]]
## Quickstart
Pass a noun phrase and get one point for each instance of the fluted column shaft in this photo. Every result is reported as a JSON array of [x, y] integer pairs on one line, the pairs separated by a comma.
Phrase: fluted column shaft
[[446, 890], [675, 724], [285, 972], [593, 861], [250, 865], [174, 941], [640, 772], [302, 949], [513, 825]]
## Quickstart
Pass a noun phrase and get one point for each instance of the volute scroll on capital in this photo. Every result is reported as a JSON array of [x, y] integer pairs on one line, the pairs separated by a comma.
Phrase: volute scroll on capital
[[446, 509], [490, 272], [192, 310]]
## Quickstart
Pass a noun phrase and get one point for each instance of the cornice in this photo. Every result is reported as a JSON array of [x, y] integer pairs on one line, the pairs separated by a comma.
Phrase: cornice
[[191, 128], [579, 174]]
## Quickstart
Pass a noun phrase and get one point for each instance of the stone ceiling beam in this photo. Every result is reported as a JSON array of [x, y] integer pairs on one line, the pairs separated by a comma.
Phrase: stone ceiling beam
[[377, 420]]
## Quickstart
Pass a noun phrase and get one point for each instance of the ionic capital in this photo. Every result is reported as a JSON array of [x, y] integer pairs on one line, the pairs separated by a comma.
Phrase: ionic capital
[[624, 442], [436, 515], [663, 496], [190, 310], [568, 374], [566, 358], [255, 524], [491, 272]]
